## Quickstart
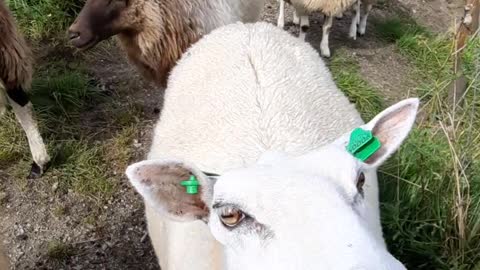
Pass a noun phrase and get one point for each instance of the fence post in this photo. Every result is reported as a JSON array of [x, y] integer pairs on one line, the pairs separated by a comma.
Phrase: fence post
[[469, 26]]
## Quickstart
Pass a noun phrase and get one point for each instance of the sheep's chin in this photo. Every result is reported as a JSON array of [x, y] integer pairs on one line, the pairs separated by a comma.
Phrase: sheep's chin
[[83, 46]]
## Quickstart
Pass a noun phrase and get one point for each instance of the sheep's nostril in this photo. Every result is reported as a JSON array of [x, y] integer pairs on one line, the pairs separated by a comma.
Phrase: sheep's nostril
[[73, 35]]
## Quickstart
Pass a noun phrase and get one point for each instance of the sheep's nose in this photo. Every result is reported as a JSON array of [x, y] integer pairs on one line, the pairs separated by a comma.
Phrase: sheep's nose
[[73, 34]]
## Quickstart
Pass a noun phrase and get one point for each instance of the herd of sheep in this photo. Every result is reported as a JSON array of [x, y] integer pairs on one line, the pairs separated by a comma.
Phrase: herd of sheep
[[283, 166]]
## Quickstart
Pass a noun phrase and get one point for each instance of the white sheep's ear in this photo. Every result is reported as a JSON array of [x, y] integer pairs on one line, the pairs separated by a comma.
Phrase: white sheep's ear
[[159, 183], [391, 127]]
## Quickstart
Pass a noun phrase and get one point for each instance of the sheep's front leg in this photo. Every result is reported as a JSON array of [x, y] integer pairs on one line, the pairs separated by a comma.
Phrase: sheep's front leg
[[23, 110], [327, 26], [304, 26], [3, 101], [355, 21], [296, 18], [281, 14], [363, 22]]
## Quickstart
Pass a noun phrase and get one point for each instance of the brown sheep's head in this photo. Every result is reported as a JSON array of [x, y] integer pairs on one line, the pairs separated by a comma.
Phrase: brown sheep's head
[[99, 20]]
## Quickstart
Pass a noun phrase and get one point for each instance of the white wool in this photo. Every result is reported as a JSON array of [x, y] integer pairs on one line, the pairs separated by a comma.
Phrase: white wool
[[213, 14], [327, 7], [240, 91]]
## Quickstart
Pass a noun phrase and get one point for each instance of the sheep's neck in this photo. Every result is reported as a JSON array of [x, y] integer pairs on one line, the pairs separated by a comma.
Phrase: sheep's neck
[[161, 40]]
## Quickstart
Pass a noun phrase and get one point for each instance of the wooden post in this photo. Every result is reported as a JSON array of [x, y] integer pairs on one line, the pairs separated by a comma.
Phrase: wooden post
[[468, 27]]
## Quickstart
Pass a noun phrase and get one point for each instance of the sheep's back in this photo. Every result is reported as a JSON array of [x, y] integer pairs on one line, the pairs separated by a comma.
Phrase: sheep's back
[[15, 56], [245, 89], [327, 7]]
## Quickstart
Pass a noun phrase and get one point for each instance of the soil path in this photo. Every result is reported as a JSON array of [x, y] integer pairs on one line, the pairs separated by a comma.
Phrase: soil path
[[117, 239]]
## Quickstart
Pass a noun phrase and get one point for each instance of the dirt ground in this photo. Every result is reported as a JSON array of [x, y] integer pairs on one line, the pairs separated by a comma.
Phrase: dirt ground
[[117, 238]]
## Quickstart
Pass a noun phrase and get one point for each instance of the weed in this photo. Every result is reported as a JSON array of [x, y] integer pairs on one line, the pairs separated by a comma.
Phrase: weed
[[346, 73], [398, 28], [59, 211], [58, 250], [429, 189], [81, 161], [40, 19]]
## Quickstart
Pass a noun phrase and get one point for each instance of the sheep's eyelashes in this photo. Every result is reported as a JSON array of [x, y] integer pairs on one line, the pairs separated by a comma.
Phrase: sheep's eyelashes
[[360, 182], [231, 217]]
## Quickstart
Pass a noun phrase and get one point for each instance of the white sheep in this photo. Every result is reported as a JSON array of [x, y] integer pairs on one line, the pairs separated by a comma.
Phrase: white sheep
[[331, 8], [314, 206], [307, 212], [360, 26], [367, 7], [239, 92]]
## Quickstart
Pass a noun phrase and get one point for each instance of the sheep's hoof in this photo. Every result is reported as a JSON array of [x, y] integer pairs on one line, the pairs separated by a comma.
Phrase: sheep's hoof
[[37, 171], [326, 54]]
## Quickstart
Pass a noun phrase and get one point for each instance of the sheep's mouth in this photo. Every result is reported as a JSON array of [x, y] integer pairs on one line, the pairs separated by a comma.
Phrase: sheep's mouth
[[83, 45]]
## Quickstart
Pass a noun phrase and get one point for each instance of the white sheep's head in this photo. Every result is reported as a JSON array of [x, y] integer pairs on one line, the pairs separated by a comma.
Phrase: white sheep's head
[[305, 212]]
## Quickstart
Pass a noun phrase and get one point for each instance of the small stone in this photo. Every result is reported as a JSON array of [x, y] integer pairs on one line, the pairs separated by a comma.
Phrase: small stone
[[136, 143], [55, 186], [22, 236]]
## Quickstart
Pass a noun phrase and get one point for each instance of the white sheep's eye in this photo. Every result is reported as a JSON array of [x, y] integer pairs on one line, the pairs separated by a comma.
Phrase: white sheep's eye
[[231, 217]]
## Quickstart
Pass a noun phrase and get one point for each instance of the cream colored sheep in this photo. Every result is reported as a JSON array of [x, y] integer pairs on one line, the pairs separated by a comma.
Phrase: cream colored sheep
[[330, 8]]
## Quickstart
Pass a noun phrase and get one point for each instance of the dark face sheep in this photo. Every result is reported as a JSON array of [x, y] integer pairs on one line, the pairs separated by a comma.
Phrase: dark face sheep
[[141, 27], [99, 20], [15, 76], [155, 33]]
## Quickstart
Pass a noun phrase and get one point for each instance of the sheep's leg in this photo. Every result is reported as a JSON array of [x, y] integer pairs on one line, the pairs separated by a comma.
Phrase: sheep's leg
[[339, 15], [301, 18], [363, 22], [304, 26], [327, 26], [3, 101], [281, 14], [355, 21], [358, 10], [24, 112], [296, 18]]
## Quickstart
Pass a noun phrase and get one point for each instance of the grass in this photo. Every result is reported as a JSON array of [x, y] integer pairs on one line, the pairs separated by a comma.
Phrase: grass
[[346, 73], [430, 190], [80, 161], [43, 18], [58, 250]]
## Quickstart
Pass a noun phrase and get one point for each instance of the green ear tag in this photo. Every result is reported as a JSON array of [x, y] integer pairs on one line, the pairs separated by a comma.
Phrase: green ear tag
[[363, 144], [191, 185]]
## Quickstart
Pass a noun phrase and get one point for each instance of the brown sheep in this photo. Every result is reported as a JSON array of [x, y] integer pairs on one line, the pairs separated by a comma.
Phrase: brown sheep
[[153, 33], [15, 79]]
